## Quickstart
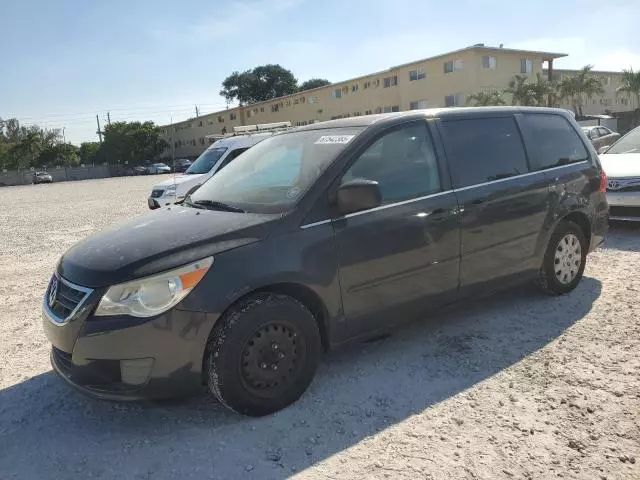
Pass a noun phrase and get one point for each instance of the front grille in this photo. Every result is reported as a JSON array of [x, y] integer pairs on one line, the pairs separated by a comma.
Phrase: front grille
[[628, 184], [156, 193], [63, 297], [615, 211]]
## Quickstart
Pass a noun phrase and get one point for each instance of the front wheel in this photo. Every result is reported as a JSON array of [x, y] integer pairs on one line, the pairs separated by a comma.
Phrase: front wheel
[[564, 260], [263, 354]]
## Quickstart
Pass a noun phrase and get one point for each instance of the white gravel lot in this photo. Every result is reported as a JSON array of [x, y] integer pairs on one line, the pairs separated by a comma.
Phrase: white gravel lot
[[517, 386]]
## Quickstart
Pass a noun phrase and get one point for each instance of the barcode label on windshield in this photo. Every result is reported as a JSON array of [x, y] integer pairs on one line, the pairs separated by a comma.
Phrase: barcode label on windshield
[[333, 139]]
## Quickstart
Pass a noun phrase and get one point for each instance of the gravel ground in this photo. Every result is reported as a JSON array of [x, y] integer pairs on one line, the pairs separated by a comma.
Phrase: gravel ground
[[515, 386]]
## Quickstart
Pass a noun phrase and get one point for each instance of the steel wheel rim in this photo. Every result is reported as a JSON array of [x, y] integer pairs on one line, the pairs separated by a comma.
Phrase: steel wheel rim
[[567, 259], [271, 359]]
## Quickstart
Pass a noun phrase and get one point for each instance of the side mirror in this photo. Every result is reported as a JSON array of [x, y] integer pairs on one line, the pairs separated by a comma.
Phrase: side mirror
[[603, 149], [357, 195]]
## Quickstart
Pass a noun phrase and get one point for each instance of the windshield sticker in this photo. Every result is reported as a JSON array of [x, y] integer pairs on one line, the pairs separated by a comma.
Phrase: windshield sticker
[[334, 139], [293, 192]]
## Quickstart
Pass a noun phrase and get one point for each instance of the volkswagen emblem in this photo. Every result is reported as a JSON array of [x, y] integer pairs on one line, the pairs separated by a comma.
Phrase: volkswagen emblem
[[613, 185], [53, 291]]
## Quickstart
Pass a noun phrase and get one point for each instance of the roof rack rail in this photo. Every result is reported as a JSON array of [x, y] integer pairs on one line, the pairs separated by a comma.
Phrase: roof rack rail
[[261, 127]]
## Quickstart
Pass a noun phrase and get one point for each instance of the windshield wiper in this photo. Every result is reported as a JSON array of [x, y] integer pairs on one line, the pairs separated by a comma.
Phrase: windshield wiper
[[213, 205]]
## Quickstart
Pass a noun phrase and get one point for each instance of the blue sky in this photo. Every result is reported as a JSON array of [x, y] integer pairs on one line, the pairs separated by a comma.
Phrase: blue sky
[[65, 61]]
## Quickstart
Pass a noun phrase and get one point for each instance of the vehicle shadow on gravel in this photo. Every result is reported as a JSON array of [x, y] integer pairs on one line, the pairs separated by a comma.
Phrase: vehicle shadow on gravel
[[623, 236], [49, 431]]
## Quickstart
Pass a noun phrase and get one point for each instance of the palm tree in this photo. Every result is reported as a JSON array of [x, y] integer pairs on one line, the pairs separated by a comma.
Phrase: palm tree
[[541, 90], [630, 85], [521, 91], [484, 99], [577, 87]]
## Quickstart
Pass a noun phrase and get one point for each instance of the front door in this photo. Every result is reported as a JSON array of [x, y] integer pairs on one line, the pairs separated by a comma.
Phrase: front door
[[504, 206], [402, 257]]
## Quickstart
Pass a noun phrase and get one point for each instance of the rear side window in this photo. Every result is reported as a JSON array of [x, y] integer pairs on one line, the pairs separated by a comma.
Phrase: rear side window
[[483, 150], [551, 141]]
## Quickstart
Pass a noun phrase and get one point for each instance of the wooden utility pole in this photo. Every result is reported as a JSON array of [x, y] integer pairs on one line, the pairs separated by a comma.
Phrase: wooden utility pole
[[99, 132]]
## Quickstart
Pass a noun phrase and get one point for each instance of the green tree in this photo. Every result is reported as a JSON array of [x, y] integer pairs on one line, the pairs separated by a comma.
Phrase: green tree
[[313, 83], [630, 85], [521, 91], [576, 87], [262, 83], [89, 152], [132, 142], [541, 90], [59, 154], [484, 99]]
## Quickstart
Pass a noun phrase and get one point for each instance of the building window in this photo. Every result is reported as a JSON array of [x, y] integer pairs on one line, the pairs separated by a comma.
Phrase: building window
[[607, 81], [288, 103], [417, 74], [391, 108], [526, 65], [220, 119], [261, 109], [312, 99], [489, 62], [454, 100], [453, 66], [418, 105], [345, 89], [275, 108], [355, 87], [357, 114], [201, 140], [379, 110], [368, 112], [366, 85], [390, 81], [249, 114], [200, 123], [376, 82], [296, 101], [337, 93], [232, 116]]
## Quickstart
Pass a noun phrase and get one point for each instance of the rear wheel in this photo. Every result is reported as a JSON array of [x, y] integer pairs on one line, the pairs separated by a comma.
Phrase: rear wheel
[[564, 260], [263, 355]]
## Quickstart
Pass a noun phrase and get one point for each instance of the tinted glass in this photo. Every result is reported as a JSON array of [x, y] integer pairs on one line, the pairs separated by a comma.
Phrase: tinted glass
[[482, 150], [403, 163], [233, 154], [272, 176], [206, 160], [551, 141], [630, 143], [603, 131]]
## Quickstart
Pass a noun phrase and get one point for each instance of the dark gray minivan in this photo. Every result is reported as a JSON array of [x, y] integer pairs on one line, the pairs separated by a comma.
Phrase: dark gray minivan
[[322, 235]]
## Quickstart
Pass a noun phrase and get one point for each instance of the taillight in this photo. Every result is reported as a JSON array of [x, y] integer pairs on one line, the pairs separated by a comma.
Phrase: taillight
[[603, 181]]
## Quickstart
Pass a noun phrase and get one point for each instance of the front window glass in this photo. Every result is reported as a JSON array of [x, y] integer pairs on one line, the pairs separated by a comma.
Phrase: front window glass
[[274, 174], [630, 143], [206, 161]]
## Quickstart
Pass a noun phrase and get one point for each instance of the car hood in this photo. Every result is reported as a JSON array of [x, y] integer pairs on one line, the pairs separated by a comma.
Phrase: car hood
[[177, 179], [158, 241], [617, 165]]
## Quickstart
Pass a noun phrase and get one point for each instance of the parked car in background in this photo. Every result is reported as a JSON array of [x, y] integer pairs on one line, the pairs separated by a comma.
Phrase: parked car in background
[[140, 170], [601, 136], [157, 168], [212, 160], [181, 165], [621, 161], [319, 236], [42, 177]]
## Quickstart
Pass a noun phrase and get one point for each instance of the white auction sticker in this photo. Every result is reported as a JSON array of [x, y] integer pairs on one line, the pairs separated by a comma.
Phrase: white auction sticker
[[332, 139]]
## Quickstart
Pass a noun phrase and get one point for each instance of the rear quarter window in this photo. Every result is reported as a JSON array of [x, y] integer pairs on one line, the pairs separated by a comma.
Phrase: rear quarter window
[[551, 141], [482, 150]]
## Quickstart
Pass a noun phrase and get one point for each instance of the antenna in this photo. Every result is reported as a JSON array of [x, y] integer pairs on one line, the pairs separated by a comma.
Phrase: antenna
[[173, 158]]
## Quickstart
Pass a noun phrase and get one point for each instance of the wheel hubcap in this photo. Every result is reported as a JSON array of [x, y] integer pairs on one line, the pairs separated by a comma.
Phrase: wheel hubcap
[[271, 359], [567, 258]]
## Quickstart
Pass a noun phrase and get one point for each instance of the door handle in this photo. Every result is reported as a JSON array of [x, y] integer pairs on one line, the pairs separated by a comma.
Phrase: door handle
[[478, 201]]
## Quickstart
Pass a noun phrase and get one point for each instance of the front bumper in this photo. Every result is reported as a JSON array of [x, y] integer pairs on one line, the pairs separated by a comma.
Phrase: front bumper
[[126, 358], [624, 206], [164, 201]]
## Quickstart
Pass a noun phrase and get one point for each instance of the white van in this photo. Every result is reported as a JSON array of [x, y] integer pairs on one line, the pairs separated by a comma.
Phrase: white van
[[211, 161]]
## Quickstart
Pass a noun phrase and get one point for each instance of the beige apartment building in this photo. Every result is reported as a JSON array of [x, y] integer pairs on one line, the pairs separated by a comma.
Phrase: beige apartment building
[[442, 81]]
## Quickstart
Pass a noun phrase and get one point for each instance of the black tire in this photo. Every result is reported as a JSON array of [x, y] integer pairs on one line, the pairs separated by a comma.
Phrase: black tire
[[261, 332], [548, 280]]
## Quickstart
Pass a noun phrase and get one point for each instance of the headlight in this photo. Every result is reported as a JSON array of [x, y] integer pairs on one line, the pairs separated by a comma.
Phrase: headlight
[[171, 188], [153, 295]]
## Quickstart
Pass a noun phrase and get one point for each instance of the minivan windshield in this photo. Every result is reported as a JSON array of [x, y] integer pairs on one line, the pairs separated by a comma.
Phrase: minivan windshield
[[630, 143], [206, 160], [274, 174]]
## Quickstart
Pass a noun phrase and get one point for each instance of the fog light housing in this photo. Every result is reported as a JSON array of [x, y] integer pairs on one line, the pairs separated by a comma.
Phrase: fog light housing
[[135, 372]]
